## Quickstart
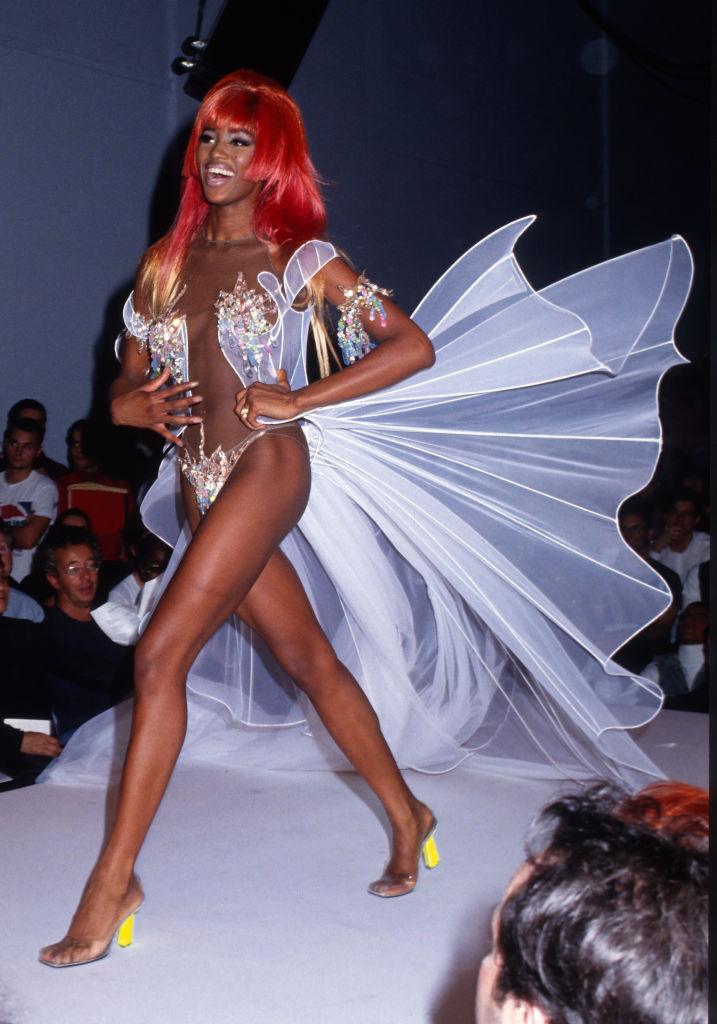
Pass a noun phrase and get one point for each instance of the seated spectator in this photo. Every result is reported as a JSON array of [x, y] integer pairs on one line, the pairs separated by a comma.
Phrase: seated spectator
[[108, 502], [36, 584], [30, 409], [656, 638], [680, 545], [692, 641], [22, 695], [74, 517], [6, 552], [86, 672], [697, 585], [28, 500], [19, 604], [606, 921], [682, 674], [148, 557]]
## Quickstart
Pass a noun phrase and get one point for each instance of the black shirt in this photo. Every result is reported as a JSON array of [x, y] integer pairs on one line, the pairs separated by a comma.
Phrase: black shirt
[[86, 672]]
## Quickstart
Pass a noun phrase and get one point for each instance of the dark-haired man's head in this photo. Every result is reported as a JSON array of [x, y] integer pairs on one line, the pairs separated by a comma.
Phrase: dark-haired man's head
[[634, 520], [606, 921], [71, 559], [22, 445], [682, 515], [74, 517], [28, 408], [82, 447]]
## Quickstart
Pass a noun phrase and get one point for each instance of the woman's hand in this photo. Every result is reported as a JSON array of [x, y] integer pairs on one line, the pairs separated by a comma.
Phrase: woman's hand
[[277, 401], [155, 407]]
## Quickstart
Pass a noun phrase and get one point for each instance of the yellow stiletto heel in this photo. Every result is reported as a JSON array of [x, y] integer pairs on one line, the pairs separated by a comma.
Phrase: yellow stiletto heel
[[431, 856], [125, 932]]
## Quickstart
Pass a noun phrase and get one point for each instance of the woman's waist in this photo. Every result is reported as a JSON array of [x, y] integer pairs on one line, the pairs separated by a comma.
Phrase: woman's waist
[[213, 433]]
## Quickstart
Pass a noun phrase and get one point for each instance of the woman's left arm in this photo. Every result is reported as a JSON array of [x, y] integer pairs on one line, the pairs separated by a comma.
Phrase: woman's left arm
[[402, 350]]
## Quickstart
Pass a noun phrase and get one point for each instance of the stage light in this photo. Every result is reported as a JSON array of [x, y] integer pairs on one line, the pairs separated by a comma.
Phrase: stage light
[[192, 46], [183, 65]]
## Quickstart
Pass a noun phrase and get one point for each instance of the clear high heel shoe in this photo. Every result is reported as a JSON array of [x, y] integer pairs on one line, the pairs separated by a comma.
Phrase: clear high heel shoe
[[124, 934], [391, 884]]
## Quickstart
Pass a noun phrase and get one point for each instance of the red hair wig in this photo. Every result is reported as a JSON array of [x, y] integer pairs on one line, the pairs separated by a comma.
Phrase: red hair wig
[[289, 209]]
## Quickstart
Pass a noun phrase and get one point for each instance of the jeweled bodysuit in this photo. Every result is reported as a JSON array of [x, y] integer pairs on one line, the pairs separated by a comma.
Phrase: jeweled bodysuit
[[242, 330]]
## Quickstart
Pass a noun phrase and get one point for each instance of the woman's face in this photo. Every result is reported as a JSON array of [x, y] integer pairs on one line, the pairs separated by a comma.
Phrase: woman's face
[[223, 158]]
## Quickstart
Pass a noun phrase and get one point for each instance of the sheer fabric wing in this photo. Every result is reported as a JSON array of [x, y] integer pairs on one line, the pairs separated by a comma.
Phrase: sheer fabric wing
[[460, 544]]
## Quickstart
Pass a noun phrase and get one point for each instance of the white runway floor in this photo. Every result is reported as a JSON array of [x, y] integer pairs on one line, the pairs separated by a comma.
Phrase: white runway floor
[[256, 906]]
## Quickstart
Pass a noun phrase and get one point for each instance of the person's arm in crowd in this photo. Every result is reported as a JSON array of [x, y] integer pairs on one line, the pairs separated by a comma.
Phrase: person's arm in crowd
[[29, 533], [15, 741], [44, 510]]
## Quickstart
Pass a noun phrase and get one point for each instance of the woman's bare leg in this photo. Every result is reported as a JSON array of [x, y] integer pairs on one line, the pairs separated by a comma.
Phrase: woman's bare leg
[[258, 505], [278, 609], [230, 550]]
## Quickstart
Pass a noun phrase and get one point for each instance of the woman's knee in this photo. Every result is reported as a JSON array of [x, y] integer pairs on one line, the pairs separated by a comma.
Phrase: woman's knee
[[313, 666], [156, 668]]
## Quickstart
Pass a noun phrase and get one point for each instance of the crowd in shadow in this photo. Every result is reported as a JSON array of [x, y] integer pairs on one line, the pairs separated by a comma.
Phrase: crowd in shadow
[[71, 539]]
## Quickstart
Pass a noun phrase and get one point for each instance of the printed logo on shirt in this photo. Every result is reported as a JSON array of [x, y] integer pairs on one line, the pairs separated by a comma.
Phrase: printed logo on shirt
[[17, 513]]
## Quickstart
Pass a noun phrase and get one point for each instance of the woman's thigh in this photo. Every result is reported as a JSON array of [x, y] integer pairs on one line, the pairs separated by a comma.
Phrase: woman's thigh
[[278, 609], [260, 502]]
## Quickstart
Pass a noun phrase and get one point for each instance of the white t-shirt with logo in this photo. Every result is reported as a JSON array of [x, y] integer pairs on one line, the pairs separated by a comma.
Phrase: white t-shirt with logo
[[36, 495]]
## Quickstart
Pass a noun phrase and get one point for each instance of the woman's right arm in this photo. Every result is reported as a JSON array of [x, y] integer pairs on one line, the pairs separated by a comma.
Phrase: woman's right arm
[[136, 401]]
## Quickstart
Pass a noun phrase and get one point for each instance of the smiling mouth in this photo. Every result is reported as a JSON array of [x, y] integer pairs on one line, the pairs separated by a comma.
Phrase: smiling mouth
[[216, 175]]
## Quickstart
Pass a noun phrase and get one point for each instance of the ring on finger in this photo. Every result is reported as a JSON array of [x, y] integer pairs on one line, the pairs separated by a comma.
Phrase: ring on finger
[[244, 413]]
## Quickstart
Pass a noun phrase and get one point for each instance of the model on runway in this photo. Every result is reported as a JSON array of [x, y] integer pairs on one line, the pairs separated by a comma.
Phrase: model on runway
[[458, 543], [249, 202]]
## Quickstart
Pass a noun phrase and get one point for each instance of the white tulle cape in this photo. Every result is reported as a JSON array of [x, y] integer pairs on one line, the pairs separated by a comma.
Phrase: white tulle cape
[[460, 544]]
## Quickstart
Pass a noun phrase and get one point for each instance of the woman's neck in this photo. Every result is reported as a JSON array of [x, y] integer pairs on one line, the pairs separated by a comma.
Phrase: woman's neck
[[229, 223]]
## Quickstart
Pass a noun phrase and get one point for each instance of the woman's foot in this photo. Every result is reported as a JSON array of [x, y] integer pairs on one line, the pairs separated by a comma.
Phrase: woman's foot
[[401, 872], [105, 903]]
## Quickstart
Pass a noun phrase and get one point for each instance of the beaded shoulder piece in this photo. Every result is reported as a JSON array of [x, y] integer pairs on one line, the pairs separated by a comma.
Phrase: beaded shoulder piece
[[243, 325], [164, 337], [353, 340]]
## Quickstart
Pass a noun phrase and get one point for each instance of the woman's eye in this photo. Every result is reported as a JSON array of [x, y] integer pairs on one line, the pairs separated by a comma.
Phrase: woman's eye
[[206, 137], [241, 140]]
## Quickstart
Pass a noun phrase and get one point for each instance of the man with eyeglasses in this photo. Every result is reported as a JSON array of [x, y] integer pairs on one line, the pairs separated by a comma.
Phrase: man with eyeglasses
[[86, 672], [28, 499]]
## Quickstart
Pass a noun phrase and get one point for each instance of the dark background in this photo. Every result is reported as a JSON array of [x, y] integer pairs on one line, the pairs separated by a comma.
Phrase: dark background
[[431, 124]]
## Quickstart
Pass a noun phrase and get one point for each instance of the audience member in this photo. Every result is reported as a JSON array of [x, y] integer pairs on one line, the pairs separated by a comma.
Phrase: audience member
[[22, 695], [86, 672], [108, 502], [31, 409], [680, 545], [606, 921], [28, 500], [74, 517], [656, 638], [697, 585], [19, 604], [148, 557]]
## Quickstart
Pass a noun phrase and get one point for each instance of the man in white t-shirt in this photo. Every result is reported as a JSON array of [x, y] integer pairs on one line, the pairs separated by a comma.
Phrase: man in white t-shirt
[[28, 500], [681, 546]]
